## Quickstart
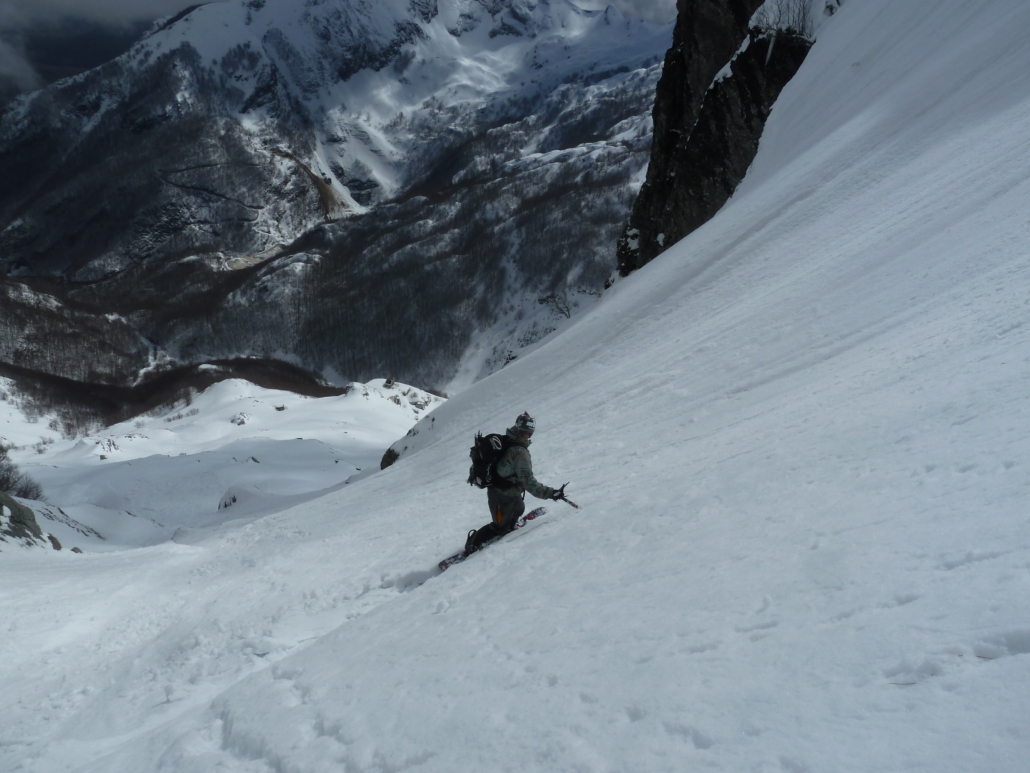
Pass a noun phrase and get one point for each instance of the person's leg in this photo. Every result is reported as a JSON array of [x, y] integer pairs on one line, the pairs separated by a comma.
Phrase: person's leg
[[505, 510], [505, 507]]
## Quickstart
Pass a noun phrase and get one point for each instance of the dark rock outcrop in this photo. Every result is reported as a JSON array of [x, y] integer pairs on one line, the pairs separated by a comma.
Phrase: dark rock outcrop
[[389, 458], [706, 133]]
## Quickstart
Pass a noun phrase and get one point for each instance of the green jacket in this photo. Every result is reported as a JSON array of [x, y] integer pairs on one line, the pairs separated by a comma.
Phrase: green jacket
[[517, 466]]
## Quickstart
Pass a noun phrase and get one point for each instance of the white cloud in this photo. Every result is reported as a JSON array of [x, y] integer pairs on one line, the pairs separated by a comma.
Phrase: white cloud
[[15, 70]]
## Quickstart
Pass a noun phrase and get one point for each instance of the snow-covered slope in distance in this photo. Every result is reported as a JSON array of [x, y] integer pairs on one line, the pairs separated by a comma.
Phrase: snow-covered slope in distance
[[799, 441], [232, 453]]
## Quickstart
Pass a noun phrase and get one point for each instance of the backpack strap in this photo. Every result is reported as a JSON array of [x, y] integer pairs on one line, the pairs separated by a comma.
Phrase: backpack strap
[[501, 482]]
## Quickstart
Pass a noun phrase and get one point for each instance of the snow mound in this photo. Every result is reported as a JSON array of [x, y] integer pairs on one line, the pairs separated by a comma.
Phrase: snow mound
[[235, 450]]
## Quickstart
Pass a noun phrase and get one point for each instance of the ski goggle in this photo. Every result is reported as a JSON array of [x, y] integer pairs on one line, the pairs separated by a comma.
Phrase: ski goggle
[[525, 424]]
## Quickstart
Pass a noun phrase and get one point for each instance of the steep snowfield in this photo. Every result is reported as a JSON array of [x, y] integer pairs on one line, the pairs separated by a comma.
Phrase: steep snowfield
[[800, 443]]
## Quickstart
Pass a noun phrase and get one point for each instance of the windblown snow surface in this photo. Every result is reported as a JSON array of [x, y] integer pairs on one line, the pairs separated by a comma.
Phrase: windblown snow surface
[[799, 440]]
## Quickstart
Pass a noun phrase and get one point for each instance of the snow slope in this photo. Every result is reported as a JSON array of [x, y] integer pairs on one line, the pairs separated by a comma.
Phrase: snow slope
[[799, 438]]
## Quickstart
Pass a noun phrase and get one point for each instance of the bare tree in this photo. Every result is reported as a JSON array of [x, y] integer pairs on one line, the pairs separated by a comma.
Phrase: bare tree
[[559, 301], [15, 482], [785, 16]]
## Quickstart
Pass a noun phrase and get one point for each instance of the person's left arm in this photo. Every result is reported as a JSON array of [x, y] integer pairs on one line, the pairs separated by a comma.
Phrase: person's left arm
[[523, 465]]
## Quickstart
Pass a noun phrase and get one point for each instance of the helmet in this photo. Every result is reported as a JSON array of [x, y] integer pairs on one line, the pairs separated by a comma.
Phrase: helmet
[[525, 424]]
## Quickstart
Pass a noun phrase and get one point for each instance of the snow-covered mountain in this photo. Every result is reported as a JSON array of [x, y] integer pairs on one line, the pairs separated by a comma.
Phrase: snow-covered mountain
[[360, 187], [798, 438]]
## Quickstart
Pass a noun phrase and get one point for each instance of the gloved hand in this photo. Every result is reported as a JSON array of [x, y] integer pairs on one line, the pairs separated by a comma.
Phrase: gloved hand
[[559, 493]]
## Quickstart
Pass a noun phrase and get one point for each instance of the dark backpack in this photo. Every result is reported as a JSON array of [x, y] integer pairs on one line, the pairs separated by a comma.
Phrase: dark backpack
[[485, 454]]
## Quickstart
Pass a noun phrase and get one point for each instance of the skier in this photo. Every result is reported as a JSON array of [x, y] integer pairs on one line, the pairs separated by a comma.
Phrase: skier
[[506, 503]]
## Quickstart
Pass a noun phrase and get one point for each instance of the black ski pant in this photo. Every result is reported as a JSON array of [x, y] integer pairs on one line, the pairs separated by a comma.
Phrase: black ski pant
[[506, 506]]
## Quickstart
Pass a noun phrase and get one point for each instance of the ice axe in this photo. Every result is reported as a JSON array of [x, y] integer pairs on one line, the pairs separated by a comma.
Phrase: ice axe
[[560, 494]]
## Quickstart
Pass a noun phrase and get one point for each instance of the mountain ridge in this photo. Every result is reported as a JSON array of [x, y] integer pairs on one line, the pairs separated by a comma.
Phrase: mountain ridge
[[796, 438], [512, 109]]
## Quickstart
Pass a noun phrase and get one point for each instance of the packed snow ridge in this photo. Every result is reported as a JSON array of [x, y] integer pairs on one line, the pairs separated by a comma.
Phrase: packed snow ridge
[[798, 440]]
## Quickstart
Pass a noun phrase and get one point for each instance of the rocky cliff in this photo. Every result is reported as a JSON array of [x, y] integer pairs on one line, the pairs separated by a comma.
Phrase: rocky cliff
[[718, 87]]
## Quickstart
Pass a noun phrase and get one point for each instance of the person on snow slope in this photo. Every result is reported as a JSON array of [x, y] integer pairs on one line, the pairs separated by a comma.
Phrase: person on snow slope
[[506, 503]]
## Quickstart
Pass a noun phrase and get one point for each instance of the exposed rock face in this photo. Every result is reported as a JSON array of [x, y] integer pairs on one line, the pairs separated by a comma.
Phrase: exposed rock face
[[18, 522], [706, 134]]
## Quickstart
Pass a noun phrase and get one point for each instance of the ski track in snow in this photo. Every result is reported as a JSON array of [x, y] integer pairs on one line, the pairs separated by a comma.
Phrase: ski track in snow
[[799, 438]]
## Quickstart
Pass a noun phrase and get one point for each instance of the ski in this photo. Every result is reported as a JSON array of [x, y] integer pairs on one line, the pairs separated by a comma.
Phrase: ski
[[457, 558]]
